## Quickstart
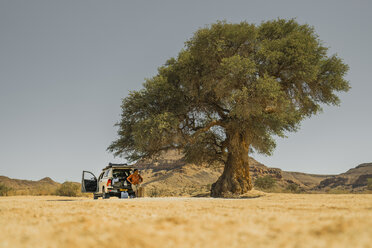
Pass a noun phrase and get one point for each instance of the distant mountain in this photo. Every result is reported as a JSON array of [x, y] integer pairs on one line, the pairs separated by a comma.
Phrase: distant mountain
[[354, 179], [18, 186]]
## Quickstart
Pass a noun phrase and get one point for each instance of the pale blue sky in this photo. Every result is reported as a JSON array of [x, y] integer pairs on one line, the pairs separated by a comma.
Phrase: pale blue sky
[[65, 65]]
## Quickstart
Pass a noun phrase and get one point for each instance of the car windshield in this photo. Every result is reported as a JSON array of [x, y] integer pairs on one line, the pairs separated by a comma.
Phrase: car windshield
[[121, 173]]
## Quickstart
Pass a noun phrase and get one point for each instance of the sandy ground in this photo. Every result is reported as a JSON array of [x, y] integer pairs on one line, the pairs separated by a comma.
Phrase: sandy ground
[[273, 220]]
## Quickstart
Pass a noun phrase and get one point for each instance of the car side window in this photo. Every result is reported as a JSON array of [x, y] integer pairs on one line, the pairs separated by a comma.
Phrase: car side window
[[100, 176], [106, 173]]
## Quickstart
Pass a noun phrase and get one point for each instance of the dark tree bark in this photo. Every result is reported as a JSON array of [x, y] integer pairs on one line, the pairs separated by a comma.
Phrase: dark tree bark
[[235, 179]]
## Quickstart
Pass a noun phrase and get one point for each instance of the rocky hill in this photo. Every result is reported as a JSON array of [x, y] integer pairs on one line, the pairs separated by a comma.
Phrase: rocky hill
[[354, 179], [26, 187], [170, 175]]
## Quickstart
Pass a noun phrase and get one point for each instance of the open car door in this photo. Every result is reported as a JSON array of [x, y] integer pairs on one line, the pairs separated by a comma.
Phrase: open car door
[[89, 182]]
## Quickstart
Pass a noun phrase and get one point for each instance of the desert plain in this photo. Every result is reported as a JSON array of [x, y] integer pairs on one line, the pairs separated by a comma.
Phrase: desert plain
[[271, 220]]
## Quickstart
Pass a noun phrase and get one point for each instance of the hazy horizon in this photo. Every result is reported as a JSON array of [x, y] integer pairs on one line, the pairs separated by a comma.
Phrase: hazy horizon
[[65, 66]]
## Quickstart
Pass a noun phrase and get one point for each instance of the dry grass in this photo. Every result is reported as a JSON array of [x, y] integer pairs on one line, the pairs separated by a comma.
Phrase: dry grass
[[271, 220]]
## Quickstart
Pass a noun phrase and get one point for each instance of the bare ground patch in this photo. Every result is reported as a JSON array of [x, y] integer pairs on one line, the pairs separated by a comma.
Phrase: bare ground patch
[[272, 220]]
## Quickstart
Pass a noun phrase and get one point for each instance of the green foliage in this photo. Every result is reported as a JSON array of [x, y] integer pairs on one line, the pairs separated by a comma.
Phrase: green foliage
[[4, 190], [231, 80], [69, 189], [293, 188], [369, 183], [265, 182], [338, 190]]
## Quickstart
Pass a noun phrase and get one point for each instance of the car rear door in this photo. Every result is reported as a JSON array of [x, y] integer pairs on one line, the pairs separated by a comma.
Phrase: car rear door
[[89, 182]]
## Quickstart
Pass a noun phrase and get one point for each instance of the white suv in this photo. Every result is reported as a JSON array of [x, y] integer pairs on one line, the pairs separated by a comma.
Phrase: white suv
[[111, 182]]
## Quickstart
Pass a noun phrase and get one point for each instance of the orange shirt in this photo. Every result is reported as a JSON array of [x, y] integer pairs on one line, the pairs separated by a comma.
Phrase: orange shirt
[[135, 179]]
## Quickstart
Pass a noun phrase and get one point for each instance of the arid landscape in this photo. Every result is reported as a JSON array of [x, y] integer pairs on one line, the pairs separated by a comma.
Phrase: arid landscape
[[271, 220], [33, 216], [185, 124], [178, 212], [170, 176]]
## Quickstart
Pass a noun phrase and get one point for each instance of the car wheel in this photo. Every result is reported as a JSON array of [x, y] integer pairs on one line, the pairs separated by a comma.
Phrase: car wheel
[[104, 194]]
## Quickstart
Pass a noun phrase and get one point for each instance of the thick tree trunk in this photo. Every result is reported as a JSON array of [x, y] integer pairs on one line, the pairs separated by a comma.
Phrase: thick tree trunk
[[235, 179]]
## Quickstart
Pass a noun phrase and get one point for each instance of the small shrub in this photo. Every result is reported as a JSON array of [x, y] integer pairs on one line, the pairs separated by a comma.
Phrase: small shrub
[[338, 190], [292, 187], [157, 192], [68, 189], [369, 183], [265, 182], [4, 190]]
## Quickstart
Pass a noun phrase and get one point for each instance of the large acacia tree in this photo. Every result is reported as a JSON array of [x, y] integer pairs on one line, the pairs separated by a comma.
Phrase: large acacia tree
[[228, 93]]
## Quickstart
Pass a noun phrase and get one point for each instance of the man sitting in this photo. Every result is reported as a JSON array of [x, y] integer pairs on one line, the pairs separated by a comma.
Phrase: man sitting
[[135, 179]]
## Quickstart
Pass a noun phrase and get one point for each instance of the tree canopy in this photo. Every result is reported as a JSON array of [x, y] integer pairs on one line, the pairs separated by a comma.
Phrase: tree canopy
[[230, 91]]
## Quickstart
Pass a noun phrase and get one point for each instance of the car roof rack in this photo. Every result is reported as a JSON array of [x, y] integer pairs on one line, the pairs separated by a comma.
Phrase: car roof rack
[[110, 165]]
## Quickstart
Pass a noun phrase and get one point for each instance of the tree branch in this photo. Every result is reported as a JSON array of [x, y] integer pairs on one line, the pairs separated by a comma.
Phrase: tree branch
[[205, 129]]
